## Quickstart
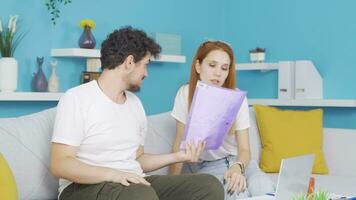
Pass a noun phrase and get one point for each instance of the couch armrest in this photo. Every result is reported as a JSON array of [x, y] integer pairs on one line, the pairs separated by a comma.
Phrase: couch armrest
[[339, 151]]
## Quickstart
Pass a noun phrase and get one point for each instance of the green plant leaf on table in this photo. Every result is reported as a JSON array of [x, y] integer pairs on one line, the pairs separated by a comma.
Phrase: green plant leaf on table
[[319, 195]]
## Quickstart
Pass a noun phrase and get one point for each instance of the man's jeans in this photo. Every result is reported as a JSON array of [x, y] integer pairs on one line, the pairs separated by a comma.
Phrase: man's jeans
[[181, 187]]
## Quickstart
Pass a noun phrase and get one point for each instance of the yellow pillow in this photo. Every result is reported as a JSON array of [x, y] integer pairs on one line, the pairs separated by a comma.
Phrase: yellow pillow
[[8, 189], [288, 133]]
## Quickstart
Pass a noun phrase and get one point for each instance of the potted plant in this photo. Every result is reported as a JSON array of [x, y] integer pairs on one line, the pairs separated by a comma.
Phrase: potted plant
[[9, 39], [53, 8], [257, 55]]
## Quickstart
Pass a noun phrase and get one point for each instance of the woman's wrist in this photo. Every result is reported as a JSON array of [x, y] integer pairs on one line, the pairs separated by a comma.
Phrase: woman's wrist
[[236, 169], [238, 165], [179, 157]]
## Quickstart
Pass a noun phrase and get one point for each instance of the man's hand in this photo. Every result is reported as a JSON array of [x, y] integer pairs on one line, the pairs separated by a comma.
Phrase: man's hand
[[235, 179], [125, 178], [191, 153]]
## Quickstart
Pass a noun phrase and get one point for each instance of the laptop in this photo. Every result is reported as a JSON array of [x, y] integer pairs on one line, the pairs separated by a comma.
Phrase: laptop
[[293, 178]]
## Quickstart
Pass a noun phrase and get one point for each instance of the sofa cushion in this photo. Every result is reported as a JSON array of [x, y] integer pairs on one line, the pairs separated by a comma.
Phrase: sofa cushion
[[254, 137], [336, 142], [288, 133], [7, 181], [339, 151], [160, 136], [25, 142]]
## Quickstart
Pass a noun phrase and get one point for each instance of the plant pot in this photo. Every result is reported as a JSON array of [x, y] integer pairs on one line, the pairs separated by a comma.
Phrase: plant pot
[[257, 57], [8, 74], [87, 40]]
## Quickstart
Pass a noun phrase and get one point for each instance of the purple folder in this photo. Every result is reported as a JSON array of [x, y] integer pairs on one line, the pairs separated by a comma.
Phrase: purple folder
[[212, 113]]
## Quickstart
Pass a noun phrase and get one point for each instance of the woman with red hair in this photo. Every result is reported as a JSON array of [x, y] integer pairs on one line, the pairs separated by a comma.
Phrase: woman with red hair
[[214, 63]]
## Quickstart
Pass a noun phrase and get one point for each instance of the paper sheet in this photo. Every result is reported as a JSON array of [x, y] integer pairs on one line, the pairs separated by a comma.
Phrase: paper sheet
[[212, 113]]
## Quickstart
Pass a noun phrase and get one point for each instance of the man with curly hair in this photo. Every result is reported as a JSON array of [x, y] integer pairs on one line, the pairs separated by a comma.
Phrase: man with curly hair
[[99, 133]]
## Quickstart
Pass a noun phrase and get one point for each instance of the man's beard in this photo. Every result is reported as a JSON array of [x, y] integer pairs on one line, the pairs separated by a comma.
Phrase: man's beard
[[134, 88]]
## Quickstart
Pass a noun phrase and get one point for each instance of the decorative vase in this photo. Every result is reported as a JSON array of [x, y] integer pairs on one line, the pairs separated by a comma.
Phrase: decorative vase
[[87, 40], [8, 74], [39, 81], [53, 81]]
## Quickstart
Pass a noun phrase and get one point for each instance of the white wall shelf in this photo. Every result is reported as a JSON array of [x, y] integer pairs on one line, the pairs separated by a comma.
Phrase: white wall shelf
[[47, 96], [257, 66], [29, 96], [305, 102], [170, 58], [76, 52], [95, 54]]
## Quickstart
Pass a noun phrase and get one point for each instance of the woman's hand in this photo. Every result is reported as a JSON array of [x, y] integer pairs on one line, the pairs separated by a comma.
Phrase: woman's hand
[[235, 179], [191, 153]]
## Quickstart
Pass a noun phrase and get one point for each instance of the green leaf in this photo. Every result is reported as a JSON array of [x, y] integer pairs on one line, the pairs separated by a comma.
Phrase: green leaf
[[53, 6]]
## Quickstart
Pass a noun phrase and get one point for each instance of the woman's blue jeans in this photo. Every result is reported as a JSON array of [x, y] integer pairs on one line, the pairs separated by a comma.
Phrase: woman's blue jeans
[[258, 183]]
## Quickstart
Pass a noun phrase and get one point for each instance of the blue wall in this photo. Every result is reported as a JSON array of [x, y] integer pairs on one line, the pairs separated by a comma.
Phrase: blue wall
[[322, 31], [318, 30], [158, 91]]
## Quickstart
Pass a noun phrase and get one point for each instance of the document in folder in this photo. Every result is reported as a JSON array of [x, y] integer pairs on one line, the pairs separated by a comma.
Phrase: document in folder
[[212, 113]]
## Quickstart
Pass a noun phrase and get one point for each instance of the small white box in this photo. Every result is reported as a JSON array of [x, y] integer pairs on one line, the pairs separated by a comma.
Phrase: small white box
[[308, 82], [286, 80]]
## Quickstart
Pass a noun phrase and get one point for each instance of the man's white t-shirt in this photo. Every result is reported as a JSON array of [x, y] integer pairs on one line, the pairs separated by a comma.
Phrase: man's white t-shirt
[[107, 134], [229, 146]]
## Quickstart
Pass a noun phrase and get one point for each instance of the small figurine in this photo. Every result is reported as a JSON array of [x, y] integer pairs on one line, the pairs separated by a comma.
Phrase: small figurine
[[53, 81], [39, 81]]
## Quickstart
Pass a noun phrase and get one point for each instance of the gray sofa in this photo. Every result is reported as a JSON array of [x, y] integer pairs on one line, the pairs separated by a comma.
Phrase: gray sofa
[[25, 143]]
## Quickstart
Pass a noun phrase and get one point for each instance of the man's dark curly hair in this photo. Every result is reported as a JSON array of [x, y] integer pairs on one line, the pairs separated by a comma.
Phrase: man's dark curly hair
[[124, 42]]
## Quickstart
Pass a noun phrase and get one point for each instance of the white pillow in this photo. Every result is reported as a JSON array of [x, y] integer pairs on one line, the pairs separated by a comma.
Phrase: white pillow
[[160, 136], [255, 141], [25, 143]]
